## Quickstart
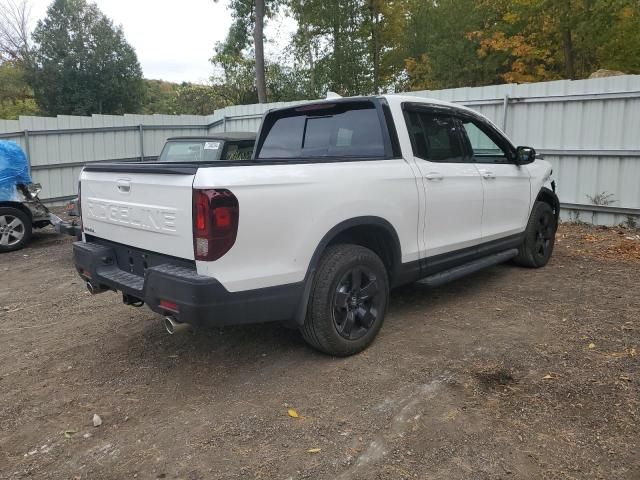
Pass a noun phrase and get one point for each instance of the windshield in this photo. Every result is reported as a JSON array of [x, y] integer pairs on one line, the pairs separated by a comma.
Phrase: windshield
[[191, 151]]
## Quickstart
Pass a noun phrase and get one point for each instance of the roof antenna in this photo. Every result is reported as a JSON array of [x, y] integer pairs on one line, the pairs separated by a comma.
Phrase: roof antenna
[[331, 94]]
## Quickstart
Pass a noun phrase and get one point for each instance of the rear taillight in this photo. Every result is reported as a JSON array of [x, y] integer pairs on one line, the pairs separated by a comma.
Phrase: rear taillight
[[215, 223]]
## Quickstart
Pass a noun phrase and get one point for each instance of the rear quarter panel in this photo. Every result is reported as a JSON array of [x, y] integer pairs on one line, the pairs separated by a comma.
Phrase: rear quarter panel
[[286, 210]]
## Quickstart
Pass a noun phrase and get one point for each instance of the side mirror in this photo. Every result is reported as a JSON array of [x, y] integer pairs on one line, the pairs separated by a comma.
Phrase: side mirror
[[525, 155]]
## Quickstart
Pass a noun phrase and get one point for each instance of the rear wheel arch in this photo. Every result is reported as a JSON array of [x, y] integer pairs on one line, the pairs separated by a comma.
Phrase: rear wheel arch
[[374, 233], [18, 206]]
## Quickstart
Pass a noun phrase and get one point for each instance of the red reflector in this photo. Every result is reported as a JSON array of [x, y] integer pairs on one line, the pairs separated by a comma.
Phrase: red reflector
[[167, 305], [86, 274]]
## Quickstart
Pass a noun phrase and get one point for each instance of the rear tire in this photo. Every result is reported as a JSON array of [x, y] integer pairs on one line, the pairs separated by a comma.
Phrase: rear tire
[[348, 301], [15, 229], [539, 237]]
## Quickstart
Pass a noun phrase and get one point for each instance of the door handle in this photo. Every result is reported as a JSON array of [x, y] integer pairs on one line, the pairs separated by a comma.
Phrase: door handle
[[434, 176], [488, 175]]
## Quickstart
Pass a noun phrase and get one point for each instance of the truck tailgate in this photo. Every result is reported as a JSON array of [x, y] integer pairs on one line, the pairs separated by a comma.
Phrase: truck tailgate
[[151, 210]]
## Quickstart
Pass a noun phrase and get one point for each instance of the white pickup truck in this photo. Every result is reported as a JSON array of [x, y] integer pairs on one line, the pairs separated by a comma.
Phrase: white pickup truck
[[341, 201]]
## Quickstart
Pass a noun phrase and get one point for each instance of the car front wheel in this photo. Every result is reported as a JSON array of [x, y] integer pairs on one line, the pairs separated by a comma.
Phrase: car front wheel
[[539, 237]]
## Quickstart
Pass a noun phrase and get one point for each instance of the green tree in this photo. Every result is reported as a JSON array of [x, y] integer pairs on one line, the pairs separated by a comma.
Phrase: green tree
[[159, 97], [439, 51], [248, 21], [83, 64], [549, 39], [16, 97], [194, 99], [350, 46], [385, 33], [234, 80], [332, 45]]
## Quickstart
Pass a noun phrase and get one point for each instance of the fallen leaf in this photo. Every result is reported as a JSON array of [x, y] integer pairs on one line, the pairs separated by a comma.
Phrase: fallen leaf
[[548, 377], [314, 450], [292, 413], [592, 345], [69, 433]]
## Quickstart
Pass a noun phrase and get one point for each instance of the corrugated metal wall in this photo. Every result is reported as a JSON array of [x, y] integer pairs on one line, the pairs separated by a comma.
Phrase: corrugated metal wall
[[588, 129], [58, 147]]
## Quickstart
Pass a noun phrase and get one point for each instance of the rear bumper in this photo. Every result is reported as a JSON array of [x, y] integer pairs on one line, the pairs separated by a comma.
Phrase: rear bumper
[[199, 300]]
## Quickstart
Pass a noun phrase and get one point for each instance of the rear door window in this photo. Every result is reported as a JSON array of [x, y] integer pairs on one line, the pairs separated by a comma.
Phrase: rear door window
[[341, 130], [434, 137]]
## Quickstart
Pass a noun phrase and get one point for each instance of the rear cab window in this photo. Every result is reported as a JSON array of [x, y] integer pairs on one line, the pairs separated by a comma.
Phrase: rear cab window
[[353, 129]]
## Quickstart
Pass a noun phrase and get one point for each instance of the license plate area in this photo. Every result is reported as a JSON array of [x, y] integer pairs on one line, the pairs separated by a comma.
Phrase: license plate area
[[136, 261]]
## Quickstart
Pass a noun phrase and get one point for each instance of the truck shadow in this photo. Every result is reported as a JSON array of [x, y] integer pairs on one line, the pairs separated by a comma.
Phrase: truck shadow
[[248, 345]]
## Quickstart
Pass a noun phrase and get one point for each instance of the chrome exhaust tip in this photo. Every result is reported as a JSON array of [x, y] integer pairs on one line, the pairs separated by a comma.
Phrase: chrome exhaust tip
[[93, 290], [172, 327]]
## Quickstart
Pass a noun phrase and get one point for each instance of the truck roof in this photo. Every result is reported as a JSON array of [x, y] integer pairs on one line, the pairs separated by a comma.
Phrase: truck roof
[[391, 98], [225, 136]]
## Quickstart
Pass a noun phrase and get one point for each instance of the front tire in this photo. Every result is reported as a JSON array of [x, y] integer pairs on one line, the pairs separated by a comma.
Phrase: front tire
[[348, 301], [539, 237], [15, 229]]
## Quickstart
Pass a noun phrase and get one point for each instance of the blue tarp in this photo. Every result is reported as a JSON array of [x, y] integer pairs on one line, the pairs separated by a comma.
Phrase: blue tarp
[[14, 170]]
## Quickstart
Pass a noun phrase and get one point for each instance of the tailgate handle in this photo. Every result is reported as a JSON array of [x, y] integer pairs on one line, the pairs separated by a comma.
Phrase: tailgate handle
[[124, 186]]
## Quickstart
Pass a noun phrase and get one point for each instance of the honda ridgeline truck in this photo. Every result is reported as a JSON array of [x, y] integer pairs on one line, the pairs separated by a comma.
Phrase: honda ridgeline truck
[[342, 200]]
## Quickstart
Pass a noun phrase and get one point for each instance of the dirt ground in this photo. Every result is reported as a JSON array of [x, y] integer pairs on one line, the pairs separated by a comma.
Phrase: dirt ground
[[508, 374]]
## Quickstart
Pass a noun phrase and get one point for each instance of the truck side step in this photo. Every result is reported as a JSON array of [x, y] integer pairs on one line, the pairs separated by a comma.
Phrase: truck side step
[[438, 279]]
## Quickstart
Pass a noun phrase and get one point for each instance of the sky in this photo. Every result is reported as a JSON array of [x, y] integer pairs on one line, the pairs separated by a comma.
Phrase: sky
[[174, 40]]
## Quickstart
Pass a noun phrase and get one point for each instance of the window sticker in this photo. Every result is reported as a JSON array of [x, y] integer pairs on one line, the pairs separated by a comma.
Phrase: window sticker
[[344, 137], [212, 145]]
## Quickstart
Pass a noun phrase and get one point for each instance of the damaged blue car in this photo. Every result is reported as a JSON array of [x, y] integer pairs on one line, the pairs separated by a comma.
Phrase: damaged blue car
[[20, 208]]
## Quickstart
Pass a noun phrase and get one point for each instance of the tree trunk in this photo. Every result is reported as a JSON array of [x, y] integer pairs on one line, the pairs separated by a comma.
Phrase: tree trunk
[[337, 57], [375, 47], [310, 60], [567, 43], [258, 41]]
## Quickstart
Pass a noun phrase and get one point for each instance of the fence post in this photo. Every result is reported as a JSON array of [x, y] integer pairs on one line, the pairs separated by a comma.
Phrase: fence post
[[27, 149], [141, 131], [505, 109]]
